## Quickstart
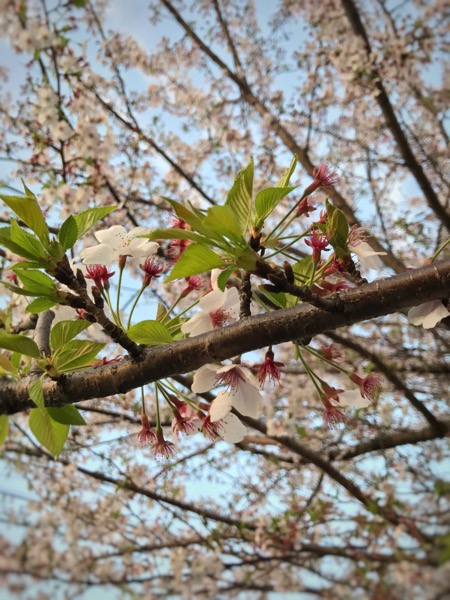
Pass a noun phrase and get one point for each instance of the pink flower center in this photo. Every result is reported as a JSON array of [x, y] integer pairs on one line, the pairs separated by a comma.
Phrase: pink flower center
[[231, 378], [218, 317]]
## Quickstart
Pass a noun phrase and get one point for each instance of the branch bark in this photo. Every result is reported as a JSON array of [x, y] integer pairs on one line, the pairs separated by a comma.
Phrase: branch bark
[[375, 299]]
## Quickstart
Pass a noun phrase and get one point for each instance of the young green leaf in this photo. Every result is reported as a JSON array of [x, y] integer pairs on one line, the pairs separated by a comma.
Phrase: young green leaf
[[39, 304], [176, 234], [27, 209], [87, 218], [64, 331], [67, 415], [49, 433], [338, 226], [76, 354], [266, 200], [286, 177], [27, 241], [38, 283], [7, 242], [195, 259], [150, 333], [36, 393], [20, 344], [222, 221], [239, 198], [68, 234], [224, 277]]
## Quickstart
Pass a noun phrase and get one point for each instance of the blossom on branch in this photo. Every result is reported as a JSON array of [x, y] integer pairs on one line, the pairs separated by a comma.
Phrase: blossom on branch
[[115, 242], [241, 393], [218, 309]]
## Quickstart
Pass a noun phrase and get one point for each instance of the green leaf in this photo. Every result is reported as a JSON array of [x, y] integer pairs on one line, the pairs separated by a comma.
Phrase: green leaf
[[195, 259], [285, 178], [224, 277], [49, 433], [266, 200], [38, 283], [6, 241], [68, 234], [27, 209], [338, 226], [40, 304], [64, 331], [176, 234], [184, 213], [87, 218], [27, 241], [303, 269], [20, 344], [76, 354], [4, 425], [67, 415], [279, 299], [239, 198], [222, 221], [150, 333], [36, 393]]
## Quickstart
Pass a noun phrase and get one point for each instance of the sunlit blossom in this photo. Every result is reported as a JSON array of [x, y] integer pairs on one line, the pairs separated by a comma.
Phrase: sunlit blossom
[[115, 242]]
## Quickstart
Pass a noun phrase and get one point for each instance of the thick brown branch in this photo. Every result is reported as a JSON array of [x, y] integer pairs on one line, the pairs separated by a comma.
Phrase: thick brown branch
[[375, 299]]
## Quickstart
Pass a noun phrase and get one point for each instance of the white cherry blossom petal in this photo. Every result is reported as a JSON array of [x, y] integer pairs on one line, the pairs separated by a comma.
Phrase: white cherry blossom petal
[[353, 398], [205, 378], [220, 406], [198, 324], [247, 400], [428, 314], [232, 430], [98, 255], [367, 255]]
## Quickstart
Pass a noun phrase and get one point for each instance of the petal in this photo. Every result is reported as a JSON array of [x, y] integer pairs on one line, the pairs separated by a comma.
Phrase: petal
[[102, 254], [232, 430], [205, 378], [231, 302], [200, 323], [428, 314], [367, 255], [112, 235], [353, 398], [137, 231], [247, 400], [221, 406], [212, 301]]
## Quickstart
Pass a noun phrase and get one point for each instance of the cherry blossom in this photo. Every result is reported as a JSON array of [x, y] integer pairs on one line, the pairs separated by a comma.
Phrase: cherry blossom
[[428, 314], [100, 275], [242, 393], [269, 369], [218, 309], [116, 242]]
